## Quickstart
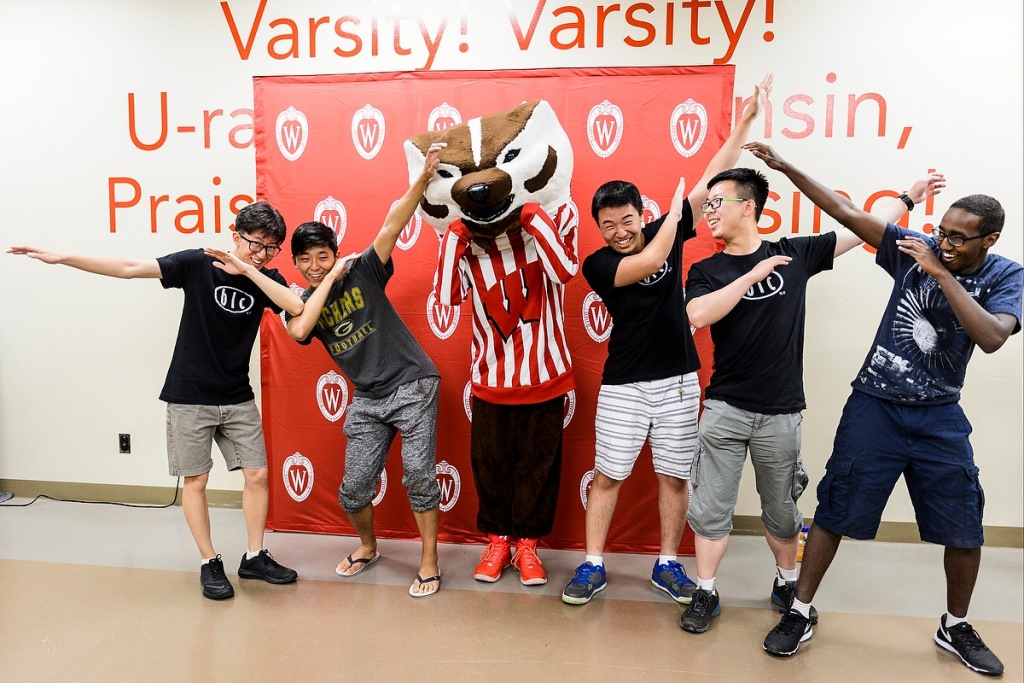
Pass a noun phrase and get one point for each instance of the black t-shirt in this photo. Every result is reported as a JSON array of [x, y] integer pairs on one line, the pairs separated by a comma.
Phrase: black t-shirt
[[650, 337], [219, 321], [759, 344]]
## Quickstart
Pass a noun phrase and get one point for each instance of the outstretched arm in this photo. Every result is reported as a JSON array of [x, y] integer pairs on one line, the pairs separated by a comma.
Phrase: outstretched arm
[[648, 260], [892, 209], [710, 308], [101, 265], [275, 291], [402, 211], [727, 156], [864, 225]]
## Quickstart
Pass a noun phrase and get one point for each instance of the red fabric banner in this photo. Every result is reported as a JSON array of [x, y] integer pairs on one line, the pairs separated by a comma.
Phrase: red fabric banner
[[329, 148]]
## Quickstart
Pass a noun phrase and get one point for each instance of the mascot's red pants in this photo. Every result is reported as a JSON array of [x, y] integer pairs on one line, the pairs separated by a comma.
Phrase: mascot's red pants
[[516, 453]]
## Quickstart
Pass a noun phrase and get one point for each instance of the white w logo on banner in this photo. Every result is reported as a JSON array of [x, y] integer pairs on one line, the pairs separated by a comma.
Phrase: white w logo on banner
[[596, 319], [368, 131], [332, 395], [292, 131], [604, 128], [688, 127], [443, 320]]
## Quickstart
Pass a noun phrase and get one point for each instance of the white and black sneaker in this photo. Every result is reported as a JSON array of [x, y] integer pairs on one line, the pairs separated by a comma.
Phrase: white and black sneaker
[[963, 641], [784, 640]]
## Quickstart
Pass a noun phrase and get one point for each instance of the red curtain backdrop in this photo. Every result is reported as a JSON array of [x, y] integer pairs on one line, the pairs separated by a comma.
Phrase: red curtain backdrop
[[329, 148]]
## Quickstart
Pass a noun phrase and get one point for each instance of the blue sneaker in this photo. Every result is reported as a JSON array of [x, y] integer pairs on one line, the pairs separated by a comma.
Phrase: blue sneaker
[[590, 579], [671, 578]]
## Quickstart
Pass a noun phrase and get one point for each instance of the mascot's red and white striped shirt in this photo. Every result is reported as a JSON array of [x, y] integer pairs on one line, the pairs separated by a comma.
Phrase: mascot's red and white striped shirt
[[517, 280]]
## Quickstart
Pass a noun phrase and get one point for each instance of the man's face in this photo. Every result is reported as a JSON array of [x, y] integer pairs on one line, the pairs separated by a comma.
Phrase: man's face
[[314, 264], [256, 248], [724, 210], [962, 226], [620, 227]]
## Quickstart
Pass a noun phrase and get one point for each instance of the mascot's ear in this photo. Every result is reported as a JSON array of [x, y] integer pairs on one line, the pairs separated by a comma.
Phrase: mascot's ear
[[415, 155]]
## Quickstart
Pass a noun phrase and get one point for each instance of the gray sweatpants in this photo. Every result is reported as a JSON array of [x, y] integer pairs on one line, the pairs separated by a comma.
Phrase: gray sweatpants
[[371, 426]]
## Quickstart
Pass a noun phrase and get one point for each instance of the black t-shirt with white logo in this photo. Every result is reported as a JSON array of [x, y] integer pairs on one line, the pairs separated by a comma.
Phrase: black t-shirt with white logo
[[650, 337], [219, 321], [759, 344]]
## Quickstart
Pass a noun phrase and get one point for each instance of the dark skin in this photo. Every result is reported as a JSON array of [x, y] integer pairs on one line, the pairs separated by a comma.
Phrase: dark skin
[[989, 331]]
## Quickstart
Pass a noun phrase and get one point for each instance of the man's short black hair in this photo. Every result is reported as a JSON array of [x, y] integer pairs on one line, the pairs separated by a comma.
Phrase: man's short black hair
[[313, 234], [261, 218], [750, 184], [988, 209], [616, 193]]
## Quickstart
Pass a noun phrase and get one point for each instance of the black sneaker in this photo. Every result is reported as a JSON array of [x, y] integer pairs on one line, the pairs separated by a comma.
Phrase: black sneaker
[[588, 582], [214, 582], [783, 596], [785, 638], [671, 577], [265, 567], [963, 641], [703, 608]]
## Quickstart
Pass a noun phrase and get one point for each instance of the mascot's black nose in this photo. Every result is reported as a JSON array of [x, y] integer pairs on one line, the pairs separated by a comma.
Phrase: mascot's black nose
[[479, 193]]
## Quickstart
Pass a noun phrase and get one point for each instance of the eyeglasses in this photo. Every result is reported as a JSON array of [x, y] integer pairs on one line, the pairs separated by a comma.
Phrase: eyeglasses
[[714, 204], [256, 247], [955, 239]]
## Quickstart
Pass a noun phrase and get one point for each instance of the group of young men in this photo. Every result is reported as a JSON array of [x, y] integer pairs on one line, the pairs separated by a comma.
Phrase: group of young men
[[949, 295]]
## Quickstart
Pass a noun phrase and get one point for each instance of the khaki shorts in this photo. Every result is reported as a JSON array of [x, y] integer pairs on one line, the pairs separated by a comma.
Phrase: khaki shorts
[[191, 430]]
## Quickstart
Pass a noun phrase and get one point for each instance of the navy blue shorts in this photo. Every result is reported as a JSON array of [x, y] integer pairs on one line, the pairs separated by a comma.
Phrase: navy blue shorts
[[875, 443]]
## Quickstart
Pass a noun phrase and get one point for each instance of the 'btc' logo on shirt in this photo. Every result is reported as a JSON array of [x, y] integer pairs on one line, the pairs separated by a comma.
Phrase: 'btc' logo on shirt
[[233, 300], [770, 286]]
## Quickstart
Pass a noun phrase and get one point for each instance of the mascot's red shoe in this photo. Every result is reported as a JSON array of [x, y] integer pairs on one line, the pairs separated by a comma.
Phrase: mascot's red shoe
[[530, 568], [496, 556]]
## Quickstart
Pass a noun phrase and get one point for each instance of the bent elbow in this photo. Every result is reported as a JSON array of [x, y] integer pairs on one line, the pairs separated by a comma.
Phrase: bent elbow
[[992, 346], [697, 318]]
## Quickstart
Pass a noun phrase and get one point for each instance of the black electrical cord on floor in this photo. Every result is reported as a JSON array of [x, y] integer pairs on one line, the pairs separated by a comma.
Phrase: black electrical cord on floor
[[173, 502]]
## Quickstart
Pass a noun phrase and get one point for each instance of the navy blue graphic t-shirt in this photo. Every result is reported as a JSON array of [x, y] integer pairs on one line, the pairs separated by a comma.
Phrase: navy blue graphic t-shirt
[[920, 352]]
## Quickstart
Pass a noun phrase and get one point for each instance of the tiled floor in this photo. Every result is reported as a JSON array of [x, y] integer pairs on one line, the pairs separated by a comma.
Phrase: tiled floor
[[103, 593]]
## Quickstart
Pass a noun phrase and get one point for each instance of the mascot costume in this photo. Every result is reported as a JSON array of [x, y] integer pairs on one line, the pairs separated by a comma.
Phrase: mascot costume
[[500, 204]]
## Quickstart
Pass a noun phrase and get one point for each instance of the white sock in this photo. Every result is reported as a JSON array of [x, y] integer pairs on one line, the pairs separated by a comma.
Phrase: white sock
[[803, 608], [952, 621], [785, 575], [596, 560], [207, 560], [250, 554], [706, 584], [665, 559]]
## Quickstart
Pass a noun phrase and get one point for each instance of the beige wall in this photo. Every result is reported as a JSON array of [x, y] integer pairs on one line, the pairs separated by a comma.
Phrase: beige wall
[[82, 358]]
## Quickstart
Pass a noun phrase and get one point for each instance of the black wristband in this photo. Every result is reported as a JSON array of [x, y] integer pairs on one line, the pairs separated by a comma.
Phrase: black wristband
[[905, 198]]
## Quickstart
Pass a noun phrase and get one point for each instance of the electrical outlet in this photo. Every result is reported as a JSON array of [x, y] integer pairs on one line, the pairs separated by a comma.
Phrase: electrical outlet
[[124, 443]]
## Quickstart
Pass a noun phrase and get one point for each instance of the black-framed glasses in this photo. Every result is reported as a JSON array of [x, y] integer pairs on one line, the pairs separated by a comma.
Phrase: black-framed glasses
[[256, 247], [716, 203], [954, 238]]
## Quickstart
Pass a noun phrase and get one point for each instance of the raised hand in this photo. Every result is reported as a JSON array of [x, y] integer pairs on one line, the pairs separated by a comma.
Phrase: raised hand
[[430, 161], [767, 266], [227, 261], [766, 154], [676, 207], [760, 96], [923, 254], [928, 186], [343, 265]]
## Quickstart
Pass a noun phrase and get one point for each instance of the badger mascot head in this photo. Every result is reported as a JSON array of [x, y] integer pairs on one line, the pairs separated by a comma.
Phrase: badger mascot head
[[492, 166]]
